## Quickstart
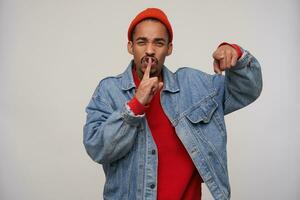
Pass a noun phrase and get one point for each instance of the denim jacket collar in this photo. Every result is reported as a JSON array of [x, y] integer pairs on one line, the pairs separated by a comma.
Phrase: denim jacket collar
[[170, 80]]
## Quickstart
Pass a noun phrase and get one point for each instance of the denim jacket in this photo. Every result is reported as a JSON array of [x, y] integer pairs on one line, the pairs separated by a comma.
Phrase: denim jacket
[[194, 102]]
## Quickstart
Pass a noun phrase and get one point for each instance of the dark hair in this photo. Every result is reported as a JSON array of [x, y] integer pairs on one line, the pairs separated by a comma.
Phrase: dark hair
[[149, 19]]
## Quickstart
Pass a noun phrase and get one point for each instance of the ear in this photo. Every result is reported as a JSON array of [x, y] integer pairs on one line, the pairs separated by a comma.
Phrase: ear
[[130, 47], [170, 48]]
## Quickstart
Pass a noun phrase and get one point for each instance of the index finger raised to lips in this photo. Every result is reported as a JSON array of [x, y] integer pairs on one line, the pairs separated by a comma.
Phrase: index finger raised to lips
[[147, 71]]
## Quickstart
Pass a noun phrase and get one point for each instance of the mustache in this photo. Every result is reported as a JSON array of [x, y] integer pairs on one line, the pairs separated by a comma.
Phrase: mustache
[[146, 59]]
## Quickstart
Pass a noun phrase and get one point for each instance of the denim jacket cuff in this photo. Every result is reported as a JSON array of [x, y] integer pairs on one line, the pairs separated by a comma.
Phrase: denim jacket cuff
[[243, 61], [129, 117]]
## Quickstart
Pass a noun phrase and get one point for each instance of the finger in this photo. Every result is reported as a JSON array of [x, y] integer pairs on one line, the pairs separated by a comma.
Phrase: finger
[[218, 54], [156, 85], [148, 69], [154, 88], [222, 64], [217, 67], [160, 85], [234, 59], [228, 59], [152, 92]]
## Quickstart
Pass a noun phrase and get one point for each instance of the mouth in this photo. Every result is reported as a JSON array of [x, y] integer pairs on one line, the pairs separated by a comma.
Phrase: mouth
[[149, 59]]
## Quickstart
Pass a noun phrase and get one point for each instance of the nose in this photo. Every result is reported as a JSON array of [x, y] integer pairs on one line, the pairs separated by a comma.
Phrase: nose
[[150, 50]]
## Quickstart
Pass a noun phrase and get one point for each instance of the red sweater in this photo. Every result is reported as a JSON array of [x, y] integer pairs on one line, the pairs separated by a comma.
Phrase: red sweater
[[177, 176]]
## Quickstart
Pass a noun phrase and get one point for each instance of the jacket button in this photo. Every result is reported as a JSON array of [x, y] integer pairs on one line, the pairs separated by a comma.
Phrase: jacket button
[[152, 186], [153, 151]]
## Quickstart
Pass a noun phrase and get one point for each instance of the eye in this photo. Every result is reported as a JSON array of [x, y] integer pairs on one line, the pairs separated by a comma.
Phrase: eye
[[159, 44], [140, 43]]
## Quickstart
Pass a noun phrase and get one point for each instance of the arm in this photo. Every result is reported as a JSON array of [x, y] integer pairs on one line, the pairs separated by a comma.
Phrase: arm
[[108, 134], [242, 83]]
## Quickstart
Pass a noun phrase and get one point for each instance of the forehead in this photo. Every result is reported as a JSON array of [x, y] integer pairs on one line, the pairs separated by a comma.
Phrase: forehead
[[150, 29]]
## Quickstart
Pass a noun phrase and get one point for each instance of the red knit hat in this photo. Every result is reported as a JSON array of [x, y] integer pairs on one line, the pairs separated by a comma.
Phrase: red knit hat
[[151, 13]]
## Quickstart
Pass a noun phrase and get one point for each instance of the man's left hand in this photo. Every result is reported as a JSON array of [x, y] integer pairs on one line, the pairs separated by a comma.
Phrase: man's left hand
[[225, 57]]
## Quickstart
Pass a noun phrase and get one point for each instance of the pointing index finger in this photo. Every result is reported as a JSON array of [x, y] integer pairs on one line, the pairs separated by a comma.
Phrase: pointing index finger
[[147, 71]]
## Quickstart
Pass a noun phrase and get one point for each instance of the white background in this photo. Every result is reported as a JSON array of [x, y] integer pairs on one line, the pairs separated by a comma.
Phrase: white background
[[54, 52]]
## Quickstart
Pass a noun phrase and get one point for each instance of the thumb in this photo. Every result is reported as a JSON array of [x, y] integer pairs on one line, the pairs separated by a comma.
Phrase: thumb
[[217, 69]]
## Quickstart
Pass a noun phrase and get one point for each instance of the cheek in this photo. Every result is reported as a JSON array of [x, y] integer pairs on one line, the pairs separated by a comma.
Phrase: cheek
[[138, 50], [161, 58], [138, 57], [162, 54]]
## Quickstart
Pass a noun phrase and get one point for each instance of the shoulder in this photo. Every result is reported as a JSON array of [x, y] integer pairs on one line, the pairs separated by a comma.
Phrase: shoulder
[[107, 84], [110, 80], [191, 72]]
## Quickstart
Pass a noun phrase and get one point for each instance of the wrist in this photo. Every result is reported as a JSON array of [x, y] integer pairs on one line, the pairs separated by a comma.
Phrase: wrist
[[136, 106]]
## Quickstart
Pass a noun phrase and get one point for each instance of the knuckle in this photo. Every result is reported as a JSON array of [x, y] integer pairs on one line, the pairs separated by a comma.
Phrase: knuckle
[[227, 51], [155, 79]]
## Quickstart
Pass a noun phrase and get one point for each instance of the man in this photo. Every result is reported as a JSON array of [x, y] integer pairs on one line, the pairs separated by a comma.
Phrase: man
[[159, 134]]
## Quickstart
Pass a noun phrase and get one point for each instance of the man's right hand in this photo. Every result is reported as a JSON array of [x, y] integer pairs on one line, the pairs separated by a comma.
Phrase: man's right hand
[[148, 86]]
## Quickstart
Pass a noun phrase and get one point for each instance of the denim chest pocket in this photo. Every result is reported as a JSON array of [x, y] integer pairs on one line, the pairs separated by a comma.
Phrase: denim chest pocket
[[202, 112], [204, 116]]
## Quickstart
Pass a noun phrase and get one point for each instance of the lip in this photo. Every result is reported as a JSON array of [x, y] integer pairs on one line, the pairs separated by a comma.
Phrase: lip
[[145, 60]]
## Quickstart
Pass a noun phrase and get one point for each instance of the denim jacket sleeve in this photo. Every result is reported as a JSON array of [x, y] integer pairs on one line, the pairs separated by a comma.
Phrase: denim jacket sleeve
[[108, 134], [241, 85]]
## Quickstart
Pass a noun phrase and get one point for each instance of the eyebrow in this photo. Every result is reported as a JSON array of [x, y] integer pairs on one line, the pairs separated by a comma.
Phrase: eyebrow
[[155, 39]]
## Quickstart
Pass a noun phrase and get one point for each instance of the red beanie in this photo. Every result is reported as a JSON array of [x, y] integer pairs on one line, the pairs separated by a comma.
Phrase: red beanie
[[151, 13]]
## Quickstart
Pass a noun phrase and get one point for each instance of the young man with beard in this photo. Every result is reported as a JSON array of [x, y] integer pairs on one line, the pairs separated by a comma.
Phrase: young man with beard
[[159, 134]]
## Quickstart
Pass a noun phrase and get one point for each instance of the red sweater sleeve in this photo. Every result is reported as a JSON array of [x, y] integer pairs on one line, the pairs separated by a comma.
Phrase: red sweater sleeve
[[235, 46], [136, 107]]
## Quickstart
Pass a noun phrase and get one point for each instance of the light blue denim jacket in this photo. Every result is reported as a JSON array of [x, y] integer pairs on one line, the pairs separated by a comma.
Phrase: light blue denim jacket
[[195, 103]]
